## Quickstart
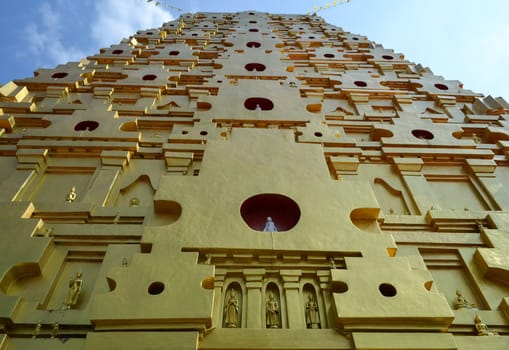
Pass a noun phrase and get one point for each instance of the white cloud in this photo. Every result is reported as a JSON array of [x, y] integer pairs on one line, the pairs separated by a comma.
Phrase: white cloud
[[45, 40], [116, 19]]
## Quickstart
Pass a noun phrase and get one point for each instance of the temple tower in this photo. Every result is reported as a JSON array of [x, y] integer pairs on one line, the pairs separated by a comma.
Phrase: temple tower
[[252, 181]]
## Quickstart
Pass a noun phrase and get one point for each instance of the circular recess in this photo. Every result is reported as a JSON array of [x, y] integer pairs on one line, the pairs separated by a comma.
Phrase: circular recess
[[253, 44], [203, 133], [117, 52], [387, 57], [252, 22], [86, 125], [354, 38], [360, 83], [185, 132], [441, 87], [258, 103], [339, 287], [149, 77], [329, 55], [155, 288], [284, 211], [387, 290], [149, 33], [423, 134], [207, 283], [253, 30], [255, 67], [194, 34], [174, 53], [318, 134], [59, 75], [311, 37]]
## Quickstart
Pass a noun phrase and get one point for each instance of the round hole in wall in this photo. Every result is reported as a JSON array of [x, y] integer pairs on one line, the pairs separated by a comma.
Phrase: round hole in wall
[[354, 38], [174, 53], [258, 103], [255, 67], [441, 87], [387, 57], [253, 44], [360, 83], [86, 125], [207, 283], [329, 55], [423, 134], [59, 75], [149, 33], [117, 52], [203, 133], [185, 132], [194, 34], [283, 211], [253, 30], [149, 77], [318, 134], [155, 288], [339, 287], [252, 22], [387, 290]]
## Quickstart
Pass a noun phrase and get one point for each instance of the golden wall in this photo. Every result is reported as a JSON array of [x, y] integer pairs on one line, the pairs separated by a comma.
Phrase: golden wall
[[252, 181]]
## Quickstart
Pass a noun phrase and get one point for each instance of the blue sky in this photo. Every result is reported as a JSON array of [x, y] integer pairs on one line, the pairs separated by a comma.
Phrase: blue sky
[[461, 40]]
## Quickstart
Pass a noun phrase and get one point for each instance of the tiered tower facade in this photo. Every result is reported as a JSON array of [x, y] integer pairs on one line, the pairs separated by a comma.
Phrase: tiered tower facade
[[252, 181]]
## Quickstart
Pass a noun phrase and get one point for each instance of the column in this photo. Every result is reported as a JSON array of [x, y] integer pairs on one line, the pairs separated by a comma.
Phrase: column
[[219, 277], [327, 315], [294, 303], [254, 278]]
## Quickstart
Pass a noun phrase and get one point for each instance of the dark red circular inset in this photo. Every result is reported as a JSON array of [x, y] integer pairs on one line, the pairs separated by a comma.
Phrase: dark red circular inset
[[253, 30], [329, 55], [149, 77], [86, 125], [253, 44], [423, 134], [283, 211], [155, 288], [258, 103], [441, 87], [360, 83], [59, 75], [252, 67], [174, 53], [387, 290]]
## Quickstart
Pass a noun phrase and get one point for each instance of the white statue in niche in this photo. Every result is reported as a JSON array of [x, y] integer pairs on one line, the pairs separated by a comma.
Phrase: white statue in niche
[[269, 225], [312, 314], [231, 311]]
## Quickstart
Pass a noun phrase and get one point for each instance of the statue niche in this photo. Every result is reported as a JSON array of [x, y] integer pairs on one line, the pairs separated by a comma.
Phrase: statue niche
[[272, 307], [311, 309], [232, 307]]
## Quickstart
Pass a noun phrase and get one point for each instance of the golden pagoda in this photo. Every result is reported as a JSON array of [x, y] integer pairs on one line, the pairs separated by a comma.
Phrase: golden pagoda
[[252, 181]]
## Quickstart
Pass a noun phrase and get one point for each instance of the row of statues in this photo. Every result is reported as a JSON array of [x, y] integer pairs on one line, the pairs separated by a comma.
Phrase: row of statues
[[272, 312]]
